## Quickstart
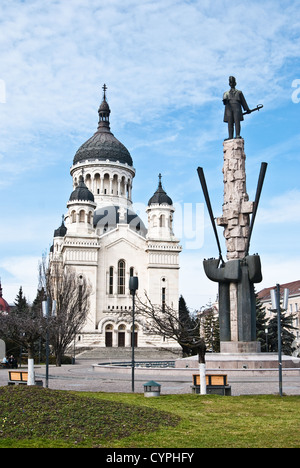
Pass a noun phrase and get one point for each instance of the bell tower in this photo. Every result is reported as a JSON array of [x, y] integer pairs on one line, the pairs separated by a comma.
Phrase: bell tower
[[160, 215]]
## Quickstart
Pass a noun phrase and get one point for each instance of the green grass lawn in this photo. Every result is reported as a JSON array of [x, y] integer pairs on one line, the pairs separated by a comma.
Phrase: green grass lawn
[[37, 417]]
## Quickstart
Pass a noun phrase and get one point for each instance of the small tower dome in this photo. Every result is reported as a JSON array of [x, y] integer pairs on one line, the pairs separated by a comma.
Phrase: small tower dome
[[160, 215], [160, 197], [62, 230], [103, 145], [81, 207], [81, 193]]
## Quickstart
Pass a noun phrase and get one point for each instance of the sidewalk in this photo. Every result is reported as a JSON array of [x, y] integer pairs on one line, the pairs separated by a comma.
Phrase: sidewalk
[[81, 377]]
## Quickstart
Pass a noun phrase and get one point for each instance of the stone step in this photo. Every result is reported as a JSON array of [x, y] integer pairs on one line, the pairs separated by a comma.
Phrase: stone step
[[125, 354]]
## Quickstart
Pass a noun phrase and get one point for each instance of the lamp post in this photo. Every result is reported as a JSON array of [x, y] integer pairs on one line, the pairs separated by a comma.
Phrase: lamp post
[[275, 298], [46, 314], [45, 306], [267, 345], [133, 287]]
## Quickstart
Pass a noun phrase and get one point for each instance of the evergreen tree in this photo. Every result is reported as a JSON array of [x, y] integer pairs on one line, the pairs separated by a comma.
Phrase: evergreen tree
[[23, 325], [261, 324], [189, 324], [21, 305], [184, 314], [287, 335], [211, 327]]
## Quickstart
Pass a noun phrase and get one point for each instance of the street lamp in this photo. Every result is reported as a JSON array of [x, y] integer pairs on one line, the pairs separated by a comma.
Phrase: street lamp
[[46, 314], [275, 298], [133, 287], [267, 345]]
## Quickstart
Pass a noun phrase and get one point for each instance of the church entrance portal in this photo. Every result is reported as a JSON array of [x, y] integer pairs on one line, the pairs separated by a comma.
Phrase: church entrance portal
[[121, 339], [135, 340], [108, 339], [108, 336]]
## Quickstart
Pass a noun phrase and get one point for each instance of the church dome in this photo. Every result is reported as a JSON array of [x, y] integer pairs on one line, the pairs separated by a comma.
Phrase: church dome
[[4, 307], [103, 145], [61, 231], [160, 197], [108, 217], [81, 193]]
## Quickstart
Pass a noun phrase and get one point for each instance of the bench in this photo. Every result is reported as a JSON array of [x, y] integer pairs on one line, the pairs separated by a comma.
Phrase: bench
[[216, 384], [21, 378]]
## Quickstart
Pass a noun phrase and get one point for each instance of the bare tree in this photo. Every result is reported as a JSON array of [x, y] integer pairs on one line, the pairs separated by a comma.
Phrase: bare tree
[[71, 293], [23, 325], [167, 322]]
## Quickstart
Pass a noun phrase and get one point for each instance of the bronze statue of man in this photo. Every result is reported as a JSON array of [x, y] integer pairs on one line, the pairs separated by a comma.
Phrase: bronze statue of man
[[234, 101]]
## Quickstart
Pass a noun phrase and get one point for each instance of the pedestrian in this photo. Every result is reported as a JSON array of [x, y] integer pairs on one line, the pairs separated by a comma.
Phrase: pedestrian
[[5, 362], [12, 362]]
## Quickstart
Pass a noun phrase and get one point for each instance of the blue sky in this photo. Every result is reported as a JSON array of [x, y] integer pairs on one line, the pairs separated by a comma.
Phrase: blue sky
[[166, 65]]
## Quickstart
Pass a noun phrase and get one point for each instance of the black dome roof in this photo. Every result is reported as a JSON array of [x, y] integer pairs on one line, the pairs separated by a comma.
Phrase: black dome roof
[[62, 230], [160, 197], [109, 216], [103, 145], [81, 192]]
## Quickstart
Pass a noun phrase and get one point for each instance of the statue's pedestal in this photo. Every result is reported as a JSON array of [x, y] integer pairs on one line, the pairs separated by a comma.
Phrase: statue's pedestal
[[236, 206], [236, 347], [246, 364]]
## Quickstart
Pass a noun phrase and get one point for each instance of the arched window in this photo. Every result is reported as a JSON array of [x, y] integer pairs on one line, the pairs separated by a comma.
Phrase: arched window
[[121, 336], [81, 216], [163, 299], [73, 216], [108, 336], [135, 336], [111, 280], [121, 277]]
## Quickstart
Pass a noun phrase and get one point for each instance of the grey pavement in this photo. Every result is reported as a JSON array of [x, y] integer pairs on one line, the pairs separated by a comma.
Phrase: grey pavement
[[82, 377]]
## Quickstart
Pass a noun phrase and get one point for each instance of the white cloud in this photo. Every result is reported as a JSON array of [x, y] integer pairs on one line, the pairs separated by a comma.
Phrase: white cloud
[[155, 57], [278, 269], [27, 229], [194, 286], [284, 208], [152, 54], [19, 271]]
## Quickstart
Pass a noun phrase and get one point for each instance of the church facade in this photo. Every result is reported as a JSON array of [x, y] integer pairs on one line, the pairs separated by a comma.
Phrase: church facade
[[103, 239]]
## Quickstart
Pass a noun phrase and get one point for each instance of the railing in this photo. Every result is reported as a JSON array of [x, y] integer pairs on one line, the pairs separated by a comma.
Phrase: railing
[[147, 364]]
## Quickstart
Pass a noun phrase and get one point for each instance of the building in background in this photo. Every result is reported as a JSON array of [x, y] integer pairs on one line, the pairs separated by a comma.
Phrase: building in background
[[293, 304], [102, 238], [4, 306]]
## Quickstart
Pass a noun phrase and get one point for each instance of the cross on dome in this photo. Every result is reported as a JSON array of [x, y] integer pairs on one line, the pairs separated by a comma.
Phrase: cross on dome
[[104, 87]]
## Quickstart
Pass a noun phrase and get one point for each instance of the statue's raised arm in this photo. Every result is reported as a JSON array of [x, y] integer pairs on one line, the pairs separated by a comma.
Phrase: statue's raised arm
[[235, 103]]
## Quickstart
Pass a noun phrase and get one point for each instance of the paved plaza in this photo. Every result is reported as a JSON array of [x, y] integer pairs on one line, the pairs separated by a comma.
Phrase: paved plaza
[[82, 377]]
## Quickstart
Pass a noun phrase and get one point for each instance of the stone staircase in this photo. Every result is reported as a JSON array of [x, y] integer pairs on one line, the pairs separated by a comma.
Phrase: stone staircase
[[124, 354]]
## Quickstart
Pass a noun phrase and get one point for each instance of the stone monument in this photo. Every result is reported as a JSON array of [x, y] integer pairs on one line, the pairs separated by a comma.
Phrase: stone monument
[[237, 276]]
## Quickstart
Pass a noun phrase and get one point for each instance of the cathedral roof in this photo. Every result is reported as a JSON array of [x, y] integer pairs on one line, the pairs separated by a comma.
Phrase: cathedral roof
[[62, 230], [103, 145], [82, 193], [108, 217], [160, 197], [4, 307]]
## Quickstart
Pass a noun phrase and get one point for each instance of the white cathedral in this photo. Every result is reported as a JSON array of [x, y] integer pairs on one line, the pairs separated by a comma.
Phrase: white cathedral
[[102, 238]]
